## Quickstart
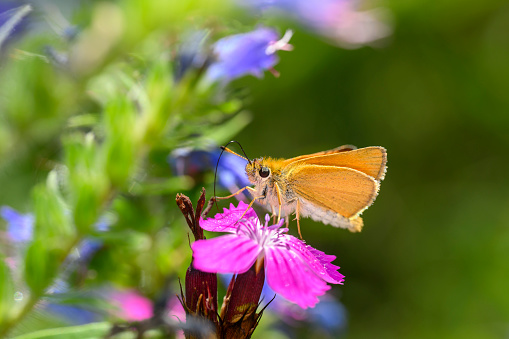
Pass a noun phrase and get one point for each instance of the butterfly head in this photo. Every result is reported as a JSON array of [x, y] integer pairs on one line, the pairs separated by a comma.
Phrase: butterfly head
[[258, 171]]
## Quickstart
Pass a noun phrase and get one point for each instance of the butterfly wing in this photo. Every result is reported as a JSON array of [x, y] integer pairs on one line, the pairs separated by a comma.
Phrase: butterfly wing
[[369, 160], [343, 148], [343, 190]]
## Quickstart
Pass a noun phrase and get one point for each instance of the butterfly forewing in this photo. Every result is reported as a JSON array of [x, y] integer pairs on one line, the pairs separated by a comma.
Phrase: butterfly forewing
[[343, 190], [369, 160], [343, 148]]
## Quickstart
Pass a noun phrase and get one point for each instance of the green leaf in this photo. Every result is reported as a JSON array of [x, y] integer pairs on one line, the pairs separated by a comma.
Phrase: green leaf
[[6, 291], [120, 145], [227, 130], [231, 106], [52, 221], [88, 331], [41, 266], [88, 182], [163, 186], [159, 92]]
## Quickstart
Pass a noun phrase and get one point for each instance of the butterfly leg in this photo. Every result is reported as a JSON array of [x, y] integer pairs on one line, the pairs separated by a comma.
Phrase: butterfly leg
[[297, 216], [278, 191], [250, 205], [273, 214], [236, 193], [214, 199]]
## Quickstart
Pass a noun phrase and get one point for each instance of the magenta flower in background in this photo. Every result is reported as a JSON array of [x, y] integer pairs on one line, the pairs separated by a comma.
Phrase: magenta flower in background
[[248, 53], [339, 20], [296, 271], [132, 306]]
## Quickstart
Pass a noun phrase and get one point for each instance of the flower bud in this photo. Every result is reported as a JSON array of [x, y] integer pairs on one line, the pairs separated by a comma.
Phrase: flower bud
[[201, 292], [241, 318]]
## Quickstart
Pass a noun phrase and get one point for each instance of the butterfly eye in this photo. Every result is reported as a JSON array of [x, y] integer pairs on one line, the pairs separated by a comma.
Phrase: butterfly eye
[[264, 172]]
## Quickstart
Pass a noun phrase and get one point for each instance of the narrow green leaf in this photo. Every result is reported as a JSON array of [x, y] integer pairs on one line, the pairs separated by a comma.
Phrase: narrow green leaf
[[88, 331], [120, 144], [88, 182], [6, 291], [226, 131], [52, 221], [41, 266]]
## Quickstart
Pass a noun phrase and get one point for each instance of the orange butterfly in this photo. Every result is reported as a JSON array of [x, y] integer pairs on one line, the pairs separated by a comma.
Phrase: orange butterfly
[[333, 187]]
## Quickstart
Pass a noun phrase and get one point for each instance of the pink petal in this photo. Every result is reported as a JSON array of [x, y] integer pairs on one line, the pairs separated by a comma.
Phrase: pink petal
[[290, 277], [318, 261], [225, 254], [332, 270], [228, 220]]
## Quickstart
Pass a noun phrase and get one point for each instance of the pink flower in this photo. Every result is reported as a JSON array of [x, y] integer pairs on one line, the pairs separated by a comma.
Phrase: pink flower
[[132, 306], [296, 271]]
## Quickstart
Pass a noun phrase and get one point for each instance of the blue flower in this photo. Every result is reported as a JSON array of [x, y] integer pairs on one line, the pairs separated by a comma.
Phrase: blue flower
[[13, 20], [73, 314], [56, 302], [20, 227], [337, 20], [248, 53], [231, 172], [330, 315]]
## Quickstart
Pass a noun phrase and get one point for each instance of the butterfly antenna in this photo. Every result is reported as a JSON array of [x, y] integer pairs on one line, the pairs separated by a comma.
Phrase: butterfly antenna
[[223, 148]]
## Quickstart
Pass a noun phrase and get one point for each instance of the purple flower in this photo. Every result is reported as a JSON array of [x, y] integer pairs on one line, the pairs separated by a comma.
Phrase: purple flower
[[72, 314], [296, 271], [13, 20], [330, 314], [338, 20], [19, 226], [20, 230], [248, 53]]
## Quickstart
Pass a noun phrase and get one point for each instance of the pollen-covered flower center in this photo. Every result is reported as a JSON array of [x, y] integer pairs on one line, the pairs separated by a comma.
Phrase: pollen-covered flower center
[[263, 234]]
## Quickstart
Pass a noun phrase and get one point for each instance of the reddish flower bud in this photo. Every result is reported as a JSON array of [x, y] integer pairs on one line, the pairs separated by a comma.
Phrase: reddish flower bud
[[201, 292], [242, 300]]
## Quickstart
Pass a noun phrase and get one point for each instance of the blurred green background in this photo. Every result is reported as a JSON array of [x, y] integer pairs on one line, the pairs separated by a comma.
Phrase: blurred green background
[[432, 259]]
